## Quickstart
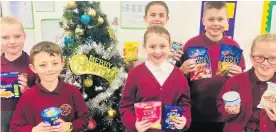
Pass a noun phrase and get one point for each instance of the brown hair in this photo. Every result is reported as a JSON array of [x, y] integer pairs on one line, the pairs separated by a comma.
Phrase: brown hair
[[214, 4], [45, 46], [269, 37], [157, 30], [10, 20], [162, 3]]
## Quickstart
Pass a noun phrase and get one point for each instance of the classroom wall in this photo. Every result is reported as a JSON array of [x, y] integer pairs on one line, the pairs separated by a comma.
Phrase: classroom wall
[[183, 24]]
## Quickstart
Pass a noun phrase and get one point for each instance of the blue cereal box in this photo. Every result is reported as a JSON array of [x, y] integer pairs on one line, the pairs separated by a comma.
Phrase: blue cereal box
[[51, 115], [170, 114], [203, 64], [9, 85], [228, 55]]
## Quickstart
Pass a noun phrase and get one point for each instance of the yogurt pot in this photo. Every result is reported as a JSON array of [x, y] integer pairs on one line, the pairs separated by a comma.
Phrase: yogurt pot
[[231, 98]]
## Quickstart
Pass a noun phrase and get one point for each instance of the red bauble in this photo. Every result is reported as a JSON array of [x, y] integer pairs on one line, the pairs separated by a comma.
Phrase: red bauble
[[92, 124]]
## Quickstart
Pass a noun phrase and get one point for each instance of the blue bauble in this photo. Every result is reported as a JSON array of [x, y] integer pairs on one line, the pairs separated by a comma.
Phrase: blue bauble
[[85, 19], [68, 39]]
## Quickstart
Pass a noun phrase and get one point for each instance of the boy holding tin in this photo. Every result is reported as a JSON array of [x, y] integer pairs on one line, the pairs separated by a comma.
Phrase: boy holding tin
[[49, 91]]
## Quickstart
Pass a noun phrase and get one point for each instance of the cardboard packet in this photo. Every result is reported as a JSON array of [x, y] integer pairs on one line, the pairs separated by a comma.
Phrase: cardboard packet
[[9, 85], [269, 96], [228, 54], [130, 51], [169, 115], [203, 65], [151, 111]]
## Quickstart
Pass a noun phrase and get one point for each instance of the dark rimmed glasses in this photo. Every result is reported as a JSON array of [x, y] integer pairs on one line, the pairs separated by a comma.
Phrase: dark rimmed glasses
[[261, 59]]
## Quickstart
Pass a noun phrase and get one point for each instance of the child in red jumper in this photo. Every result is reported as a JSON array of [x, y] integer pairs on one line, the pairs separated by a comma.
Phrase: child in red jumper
[[49, 91], [155, 80], [204, 92], [13, 59], [156, 14], [251, 85]]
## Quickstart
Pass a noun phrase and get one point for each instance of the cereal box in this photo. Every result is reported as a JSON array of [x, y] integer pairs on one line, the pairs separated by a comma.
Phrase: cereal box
[[130, 51], [169, 115], [269, 96], [203, 65], [151, 111], [9, 85], [228, 54]]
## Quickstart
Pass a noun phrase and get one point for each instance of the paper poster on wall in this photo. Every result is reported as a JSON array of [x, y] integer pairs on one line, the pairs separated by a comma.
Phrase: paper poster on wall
[[132, 14], [51, 30], [269, 17], [231, 12], [22, 10], [30, 41], [45, 6]]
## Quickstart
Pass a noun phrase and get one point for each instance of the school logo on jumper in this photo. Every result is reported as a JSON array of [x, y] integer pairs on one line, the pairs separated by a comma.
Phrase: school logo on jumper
[[65, 109]]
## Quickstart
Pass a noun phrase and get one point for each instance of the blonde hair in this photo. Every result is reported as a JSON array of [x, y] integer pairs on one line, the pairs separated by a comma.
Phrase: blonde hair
[[157, 30], [268, 37], [45, 46], [10, 20]]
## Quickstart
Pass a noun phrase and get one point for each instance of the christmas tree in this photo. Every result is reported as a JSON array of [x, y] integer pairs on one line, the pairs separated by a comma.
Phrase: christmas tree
[[93, 64]]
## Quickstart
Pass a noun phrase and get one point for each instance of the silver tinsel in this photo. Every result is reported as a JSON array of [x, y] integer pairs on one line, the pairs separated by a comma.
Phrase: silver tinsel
[[94, 104], [83, 49]]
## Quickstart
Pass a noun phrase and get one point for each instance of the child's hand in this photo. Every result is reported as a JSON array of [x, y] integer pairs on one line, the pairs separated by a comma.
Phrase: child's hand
[[176, 55], [271, 114], [180, 122], [22, 80], [235, 109], [62, 127], [42, 127], [188, 66], [234, 69], [142, 126]]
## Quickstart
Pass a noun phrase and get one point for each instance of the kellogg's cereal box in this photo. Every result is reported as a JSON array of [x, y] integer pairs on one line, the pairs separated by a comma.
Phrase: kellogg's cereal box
[[203, 65], [228, 54], [9, 85], [151, 111], [169, 115]]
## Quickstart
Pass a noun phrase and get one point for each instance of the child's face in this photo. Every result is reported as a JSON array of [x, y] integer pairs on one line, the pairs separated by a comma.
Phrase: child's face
[[156, 16], [12, 38], [215, 21], [48, 67], [157, 48], [267, 50]]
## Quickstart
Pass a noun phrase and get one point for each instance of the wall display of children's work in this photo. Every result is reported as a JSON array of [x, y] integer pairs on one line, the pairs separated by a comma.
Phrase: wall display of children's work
[[269, 17], [47, 27], [231, 11], [22, 10], [45, 6], [132, 14]]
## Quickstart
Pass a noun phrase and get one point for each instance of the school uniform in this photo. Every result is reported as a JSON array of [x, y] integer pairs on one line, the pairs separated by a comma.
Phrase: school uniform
[[20, 65], [65, 96], [250, 118], [205, 91], [149, 83]]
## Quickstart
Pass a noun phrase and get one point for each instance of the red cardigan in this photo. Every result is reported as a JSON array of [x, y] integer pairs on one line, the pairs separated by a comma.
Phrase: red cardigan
[[236, 123], [142, 86]]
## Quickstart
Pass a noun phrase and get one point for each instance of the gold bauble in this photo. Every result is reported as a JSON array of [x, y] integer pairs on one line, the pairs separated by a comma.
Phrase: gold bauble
[[79, 31], [100, 20], [91, 12], [111, 113], [72, 5], [88, 82], [111, 33], [69, 33]]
